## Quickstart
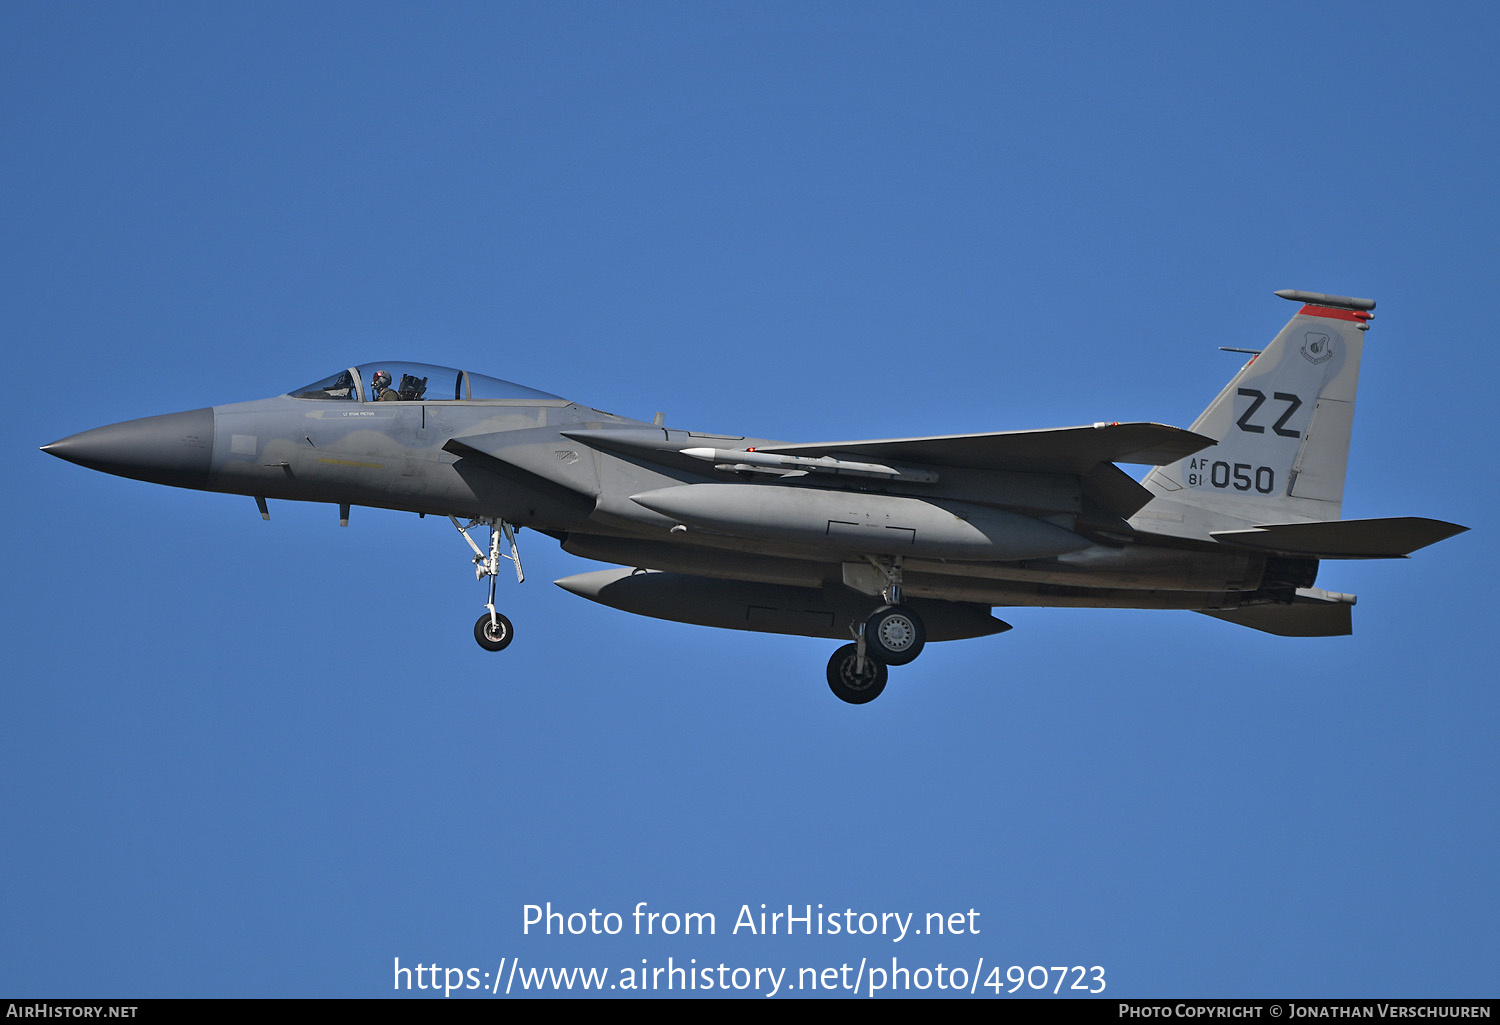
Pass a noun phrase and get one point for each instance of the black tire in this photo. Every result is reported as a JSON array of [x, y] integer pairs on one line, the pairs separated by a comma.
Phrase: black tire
[[494, 637], [894, 634], [849, 685]]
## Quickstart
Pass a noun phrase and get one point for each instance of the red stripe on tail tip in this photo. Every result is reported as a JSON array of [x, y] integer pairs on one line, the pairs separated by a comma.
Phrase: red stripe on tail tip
[[1328, 311]]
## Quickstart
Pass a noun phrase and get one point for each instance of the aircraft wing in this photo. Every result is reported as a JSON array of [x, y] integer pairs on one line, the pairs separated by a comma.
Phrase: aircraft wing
[[1088, 453], [1059, 450]]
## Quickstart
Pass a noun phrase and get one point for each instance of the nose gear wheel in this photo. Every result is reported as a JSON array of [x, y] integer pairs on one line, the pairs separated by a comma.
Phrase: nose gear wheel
[[493, 631]]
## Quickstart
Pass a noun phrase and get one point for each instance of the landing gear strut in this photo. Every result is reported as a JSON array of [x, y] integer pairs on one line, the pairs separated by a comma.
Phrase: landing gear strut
[[493, 631], [893, 635]]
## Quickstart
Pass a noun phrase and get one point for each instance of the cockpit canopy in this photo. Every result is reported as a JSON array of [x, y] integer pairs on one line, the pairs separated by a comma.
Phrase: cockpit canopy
[[415, 382]]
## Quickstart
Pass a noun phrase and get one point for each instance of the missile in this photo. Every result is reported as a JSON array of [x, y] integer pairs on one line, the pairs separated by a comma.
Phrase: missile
[[734, 459]]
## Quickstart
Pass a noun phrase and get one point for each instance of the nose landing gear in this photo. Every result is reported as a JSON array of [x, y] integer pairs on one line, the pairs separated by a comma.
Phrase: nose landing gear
[[493, 631]]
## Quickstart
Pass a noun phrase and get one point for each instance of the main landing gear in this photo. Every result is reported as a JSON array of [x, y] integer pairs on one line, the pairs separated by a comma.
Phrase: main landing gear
[[895, 635], [892, 635], [493, 631], [855, 678]]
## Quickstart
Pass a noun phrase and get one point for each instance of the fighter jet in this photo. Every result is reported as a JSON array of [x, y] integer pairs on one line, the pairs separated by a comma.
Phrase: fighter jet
[[885, 544]]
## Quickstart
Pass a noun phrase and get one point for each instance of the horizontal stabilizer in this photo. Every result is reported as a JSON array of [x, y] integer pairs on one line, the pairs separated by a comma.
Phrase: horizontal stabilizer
[[1390, 538], [1059, 450], [1314, 613]]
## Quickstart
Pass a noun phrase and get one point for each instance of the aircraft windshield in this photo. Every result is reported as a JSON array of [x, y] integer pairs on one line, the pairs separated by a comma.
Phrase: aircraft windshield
[[414, 382], [334, 386]]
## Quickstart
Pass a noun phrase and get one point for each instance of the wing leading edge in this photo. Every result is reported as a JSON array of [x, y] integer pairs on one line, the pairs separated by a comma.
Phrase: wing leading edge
[[1056, 450]]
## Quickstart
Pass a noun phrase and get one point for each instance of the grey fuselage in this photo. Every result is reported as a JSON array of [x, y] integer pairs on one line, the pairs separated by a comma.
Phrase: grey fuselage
[[891, 542], [575, 473]]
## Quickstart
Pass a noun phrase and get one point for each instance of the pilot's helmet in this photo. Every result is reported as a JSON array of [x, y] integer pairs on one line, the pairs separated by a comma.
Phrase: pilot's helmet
[[382, 380]]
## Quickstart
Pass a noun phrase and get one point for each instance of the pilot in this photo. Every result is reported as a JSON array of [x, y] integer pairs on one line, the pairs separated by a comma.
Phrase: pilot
[[383, 390]]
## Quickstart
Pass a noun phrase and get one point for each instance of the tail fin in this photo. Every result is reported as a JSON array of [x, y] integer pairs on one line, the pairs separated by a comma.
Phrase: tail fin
[[1282, 427]]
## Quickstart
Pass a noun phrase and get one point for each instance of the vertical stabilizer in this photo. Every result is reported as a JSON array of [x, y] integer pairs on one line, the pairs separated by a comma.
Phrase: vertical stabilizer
[[1282, 427]]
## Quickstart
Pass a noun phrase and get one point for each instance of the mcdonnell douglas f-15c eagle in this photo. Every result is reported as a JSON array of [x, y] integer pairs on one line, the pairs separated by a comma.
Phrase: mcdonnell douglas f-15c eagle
[[891, 543]]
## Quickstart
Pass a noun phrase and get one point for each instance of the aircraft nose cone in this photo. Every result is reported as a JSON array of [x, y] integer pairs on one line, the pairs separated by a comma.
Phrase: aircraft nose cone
[[176, 448]]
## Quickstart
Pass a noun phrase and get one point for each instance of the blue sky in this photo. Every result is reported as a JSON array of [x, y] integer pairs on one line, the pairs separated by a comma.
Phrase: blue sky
[[247, 758]]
